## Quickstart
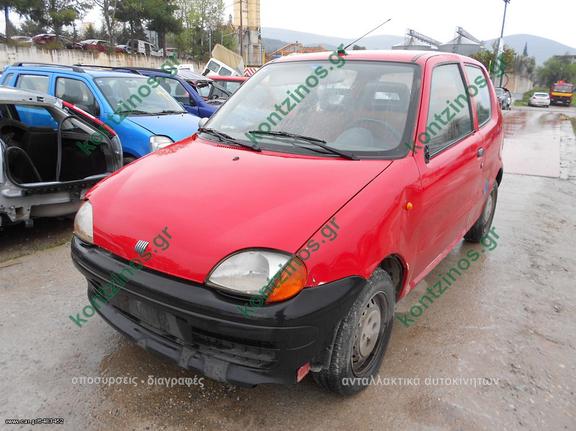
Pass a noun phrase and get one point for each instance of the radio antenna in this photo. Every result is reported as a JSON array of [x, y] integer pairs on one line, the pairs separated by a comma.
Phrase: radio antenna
[[362, 37]]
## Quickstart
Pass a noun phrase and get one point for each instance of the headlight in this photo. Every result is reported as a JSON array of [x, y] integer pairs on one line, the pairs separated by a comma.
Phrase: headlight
[[276, 275], [83, 223], [157, 142]]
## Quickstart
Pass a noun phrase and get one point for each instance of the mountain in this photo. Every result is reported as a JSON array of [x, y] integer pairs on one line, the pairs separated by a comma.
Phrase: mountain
[[271, 35], [539, 47]]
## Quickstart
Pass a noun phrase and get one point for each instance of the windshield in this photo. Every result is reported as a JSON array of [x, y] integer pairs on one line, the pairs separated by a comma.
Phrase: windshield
[[541, 94], [562, 88], [133, 94], [499, 91], [362, 108]]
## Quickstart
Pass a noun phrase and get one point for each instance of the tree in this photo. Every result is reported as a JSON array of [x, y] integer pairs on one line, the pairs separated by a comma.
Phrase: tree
[[108, 9], [358, 48], [133, 13], [162, 19], [57, 14], [90, 32], [555, 69], [201, 20], [24, 8]]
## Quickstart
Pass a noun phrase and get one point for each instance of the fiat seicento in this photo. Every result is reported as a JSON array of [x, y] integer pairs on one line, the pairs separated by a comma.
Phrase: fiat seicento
[[276, 241]]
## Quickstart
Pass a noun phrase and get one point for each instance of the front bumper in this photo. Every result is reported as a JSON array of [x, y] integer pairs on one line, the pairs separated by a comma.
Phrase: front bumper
[[201, 329]]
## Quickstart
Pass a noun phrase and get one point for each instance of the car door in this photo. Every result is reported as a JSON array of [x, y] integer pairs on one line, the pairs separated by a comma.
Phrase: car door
[[449, 163]]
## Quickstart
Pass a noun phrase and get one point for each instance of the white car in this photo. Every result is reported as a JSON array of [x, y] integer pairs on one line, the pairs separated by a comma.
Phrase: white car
[[539, 99]]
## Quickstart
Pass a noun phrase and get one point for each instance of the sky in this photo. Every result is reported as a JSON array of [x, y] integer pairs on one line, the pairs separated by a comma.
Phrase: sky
[[553, 19]]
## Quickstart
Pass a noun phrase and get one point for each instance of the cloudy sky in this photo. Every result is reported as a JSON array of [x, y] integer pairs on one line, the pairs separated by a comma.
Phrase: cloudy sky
[[437, 19]]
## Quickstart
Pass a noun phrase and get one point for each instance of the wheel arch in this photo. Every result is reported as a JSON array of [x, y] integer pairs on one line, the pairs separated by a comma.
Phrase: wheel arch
[[395, 266]]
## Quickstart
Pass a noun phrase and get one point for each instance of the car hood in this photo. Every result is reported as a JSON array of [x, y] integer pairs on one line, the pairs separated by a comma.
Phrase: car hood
[[215, 200], [175, 126]]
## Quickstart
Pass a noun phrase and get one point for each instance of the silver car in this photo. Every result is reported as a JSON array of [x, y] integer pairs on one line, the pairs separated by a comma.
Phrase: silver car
[[51, 152], [539, 99]]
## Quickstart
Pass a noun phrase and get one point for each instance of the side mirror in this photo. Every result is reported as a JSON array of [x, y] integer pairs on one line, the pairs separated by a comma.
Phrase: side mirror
[[202, 122]]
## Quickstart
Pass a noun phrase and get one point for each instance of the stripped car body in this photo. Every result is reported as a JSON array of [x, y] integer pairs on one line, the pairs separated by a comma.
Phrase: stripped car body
[[43, 170]]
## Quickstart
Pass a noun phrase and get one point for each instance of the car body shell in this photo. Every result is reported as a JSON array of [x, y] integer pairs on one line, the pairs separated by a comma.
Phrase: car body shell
[[134, 131], [20, 203]]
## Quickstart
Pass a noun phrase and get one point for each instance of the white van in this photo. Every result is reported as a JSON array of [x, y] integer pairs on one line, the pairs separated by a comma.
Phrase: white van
[[216, 67]]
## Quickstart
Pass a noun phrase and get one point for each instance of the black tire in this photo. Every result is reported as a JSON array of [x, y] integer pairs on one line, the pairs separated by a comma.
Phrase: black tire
[[484, 222], [374, 305]]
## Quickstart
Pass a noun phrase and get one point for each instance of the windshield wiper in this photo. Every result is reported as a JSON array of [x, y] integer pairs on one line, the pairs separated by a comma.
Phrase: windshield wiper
[[169, 112], [223, 137], [308, 139], [135, 112]]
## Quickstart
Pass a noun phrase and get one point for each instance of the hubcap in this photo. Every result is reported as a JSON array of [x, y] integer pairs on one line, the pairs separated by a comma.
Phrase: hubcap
[[368, 334], [488, 208]]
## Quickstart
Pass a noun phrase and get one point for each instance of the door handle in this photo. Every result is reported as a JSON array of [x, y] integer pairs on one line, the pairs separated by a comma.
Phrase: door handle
[[480, 152]]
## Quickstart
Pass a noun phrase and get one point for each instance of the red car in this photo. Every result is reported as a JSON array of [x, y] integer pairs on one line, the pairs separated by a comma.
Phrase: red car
[[95, 45], [276, 241]]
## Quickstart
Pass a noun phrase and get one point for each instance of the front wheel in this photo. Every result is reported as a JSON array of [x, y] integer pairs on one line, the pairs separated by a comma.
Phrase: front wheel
[[361, 339], [482, 226]]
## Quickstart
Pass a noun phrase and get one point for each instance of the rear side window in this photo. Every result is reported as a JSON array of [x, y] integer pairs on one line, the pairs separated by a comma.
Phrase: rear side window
[[449, 117], [77, 93], [479, 85], [33, 82]]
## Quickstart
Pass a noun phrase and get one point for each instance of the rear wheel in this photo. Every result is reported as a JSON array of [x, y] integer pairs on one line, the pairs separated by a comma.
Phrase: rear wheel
[[361, 339], [482, 225]]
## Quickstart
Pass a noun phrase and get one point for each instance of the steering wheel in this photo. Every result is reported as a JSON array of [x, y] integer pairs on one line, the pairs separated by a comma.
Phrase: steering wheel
[[379, 123]]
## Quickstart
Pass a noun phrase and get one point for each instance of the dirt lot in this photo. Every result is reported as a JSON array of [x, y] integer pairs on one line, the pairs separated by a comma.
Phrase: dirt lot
[[508, 321]]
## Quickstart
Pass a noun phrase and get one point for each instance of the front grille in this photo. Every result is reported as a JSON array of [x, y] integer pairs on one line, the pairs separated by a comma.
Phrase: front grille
[[179, 330]]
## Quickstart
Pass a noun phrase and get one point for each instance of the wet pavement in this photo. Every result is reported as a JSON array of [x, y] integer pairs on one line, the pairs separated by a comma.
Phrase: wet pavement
[[507, 323]]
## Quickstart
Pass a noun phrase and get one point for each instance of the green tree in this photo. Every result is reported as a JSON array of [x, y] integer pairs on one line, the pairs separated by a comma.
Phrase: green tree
[[24, 8], [555, 69], [161, 19], [133, 13]]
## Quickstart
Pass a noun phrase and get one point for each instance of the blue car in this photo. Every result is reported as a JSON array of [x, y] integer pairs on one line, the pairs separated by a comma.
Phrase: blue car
[[179, 88], [140, 111]]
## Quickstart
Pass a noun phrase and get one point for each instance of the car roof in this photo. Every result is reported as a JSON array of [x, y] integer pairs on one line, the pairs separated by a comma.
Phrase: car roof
[[398, 55], [93, 71], [15, 95]]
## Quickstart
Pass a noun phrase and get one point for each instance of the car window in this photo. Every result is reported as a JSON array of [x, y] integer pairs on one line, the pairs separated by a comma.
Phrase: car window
[[482, 98], [35, 116], [225, 72], [33, 82], [213, 66], [7, 79], [176, 90], [449, 117], [125, 95], [77, 93], [365, 108]]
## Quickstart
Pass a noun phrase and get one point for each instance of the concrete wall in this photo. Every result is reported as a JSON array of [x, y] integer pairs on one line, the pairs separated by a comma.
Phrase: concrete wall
[[12, 54]]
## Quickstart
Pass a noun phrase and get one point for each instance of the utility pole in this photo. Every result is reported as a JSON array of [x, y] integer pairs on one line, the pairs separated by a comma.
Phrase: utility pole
[[242, 30], [501, 44]]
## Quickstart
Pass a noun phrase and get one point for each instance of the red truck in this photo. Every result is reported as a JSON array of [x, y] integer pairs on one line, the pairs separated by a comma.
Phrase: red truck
[[561, 93]]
